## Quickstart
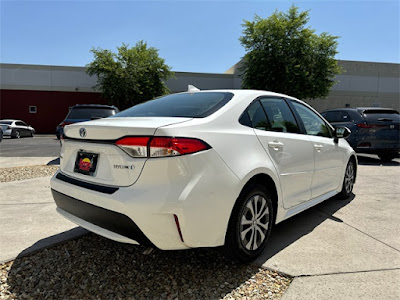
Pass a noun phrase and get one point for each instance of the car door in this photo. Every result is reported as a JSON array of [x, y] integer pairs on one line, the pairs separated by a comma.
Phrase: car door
[[21, 128], [329, 157], [291, 152]]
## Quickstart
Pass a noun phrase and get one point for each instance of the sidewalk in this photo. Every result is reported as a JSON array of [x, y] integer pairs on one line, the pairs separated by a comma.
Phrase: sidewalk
[[28, 217], [10, 162], [344, 249]]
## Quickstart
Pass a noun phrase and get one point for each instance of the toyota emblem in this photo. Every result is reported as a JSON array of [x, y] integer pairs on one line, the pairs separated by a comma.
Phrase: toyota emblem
[[82, 132]]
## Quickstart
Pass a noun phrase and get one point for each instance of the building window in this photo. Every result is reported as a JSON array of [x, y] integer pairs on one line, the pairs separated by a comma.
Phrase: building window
[[32, 109]]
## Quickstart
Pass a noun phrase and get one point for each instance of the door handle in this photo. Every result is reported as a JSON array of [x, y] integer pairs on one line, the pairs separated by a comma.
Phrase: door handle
[[318, 147], [275, 144]]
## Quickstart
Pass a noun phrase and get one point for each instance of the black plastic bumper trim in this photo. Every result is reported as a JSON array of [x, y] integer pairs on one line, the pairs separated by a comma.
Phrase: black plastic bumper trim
[[86, 185], [104, 218]]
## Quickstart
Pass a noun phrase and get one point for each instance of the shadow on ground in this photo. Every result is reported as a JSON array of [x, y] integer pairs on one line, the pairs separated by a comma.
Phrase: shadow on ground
[[289, 231], [375, 161], [54, 162], [95, 267]]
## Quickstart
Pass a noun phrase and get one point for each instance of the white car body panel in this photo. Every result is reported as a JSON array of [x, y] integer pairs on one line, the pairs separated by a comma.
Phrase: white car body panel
[[201, 189]]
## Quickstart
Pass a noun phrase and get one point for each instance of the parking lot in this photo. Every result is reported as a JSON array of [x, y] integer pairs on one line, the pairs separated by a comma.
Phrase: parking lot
[[38, 146], [343, 249]]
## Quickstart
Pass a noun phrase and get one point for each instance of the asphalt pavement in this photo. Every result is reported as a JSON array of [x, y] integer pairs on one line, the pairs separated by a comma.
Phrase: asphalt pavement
[[38, 146]]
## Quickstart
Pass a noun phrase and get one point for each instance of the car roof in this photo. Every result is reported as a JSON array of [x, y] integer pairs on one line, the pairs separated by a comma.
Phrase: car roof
[[243, 93]]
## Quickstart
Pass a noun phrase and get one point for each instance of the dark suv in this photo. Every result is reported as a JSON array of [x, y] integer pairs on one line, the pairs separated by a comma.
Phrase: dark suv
[[85, 112], [373, 130]]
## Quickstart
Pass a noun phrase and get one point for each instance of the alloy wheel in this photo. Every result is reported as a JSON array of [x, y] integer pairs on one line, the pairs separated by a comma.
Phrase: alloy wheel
[[254, 222], [349, 178]]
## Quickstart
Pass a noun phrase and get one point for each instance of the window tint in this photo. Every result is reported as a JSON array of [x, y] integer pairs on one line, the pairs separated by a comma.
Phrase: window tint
[[280, 117], [381, 111], [313, 124], [257, 116], [337, 116], [187, 105], [20, 123], [5, 122], [90, 113]]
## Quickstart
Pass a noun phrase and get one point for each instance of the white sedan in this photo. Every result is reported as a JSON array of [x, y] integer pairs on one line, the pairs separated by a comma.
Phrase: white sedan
[[16, 128], [201, 169]]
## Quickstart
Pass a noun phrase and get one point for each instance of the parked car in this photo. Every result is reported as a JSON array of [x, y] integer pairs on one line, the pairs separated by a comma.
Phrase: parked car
[[373, 130], [85, 112], [201, 169], [16, 128]]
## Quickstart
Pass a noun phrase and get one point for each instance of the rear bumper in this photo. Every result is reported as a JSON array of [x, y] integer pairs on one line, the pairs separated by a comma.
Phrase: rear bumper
[[104, 218], [199, 189]]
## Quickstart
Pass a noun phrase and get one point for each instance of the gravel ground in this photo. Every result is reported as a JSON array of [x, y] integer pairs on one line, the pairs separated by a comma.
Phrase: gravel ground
[[93, 267], [21, 173]]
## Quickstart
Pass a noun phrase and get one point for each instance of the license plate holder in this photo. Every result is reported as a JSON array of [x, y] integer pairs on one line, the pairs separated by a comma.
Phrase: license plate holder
[[86, 163]]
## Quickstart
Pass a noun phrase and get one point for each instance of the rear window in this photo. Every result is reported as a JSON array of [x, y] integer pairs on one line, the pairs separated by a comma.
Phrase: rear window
[[186, 105], [90, 113], [5, 122], [381, 111]]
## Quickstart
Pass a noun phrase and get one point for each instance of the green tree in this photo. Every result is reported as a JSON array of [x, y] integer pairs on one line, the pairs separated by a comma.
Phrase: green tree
[[285, 56], [131, 76]]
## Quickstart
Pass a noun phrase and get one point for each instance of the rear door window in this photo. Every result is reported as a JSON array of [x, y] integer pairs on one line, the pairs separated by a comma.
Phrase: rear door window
[[337, 116], [280, 116], [270, 114]]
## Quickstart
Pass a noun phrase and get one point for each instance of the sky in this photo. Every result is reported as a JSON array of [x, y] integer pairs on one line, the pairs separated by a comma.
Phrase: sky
[[192, 36]]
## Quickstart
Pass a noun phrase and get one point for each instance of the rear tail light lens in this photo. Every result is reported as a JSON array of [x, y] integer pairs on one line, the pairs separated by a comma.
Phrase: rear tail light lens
[[364, 125], [166, 146], [160, 146], [134, 146]]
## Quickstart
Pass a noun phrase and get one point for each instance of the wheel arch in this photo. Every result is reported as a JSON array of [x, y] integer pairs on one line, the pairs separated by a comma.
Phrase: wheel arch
[[266, 181]]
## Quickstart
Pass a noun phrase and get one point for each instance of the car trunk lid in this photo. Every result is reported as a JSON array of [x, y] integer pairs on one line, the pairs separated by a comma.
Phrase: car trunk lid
[[89, 152]]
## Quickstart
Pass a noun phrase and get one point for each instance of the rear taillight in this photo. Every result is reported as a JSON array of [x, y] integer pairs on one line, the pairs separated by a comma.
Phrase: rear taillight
[[160, 146], [65, 124], [134, 146], [167, 146], [365, 125]]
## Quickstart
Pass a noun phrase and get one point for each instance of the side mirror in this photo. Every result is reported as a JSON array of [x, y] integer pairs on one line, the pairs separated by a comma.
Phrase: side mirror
[[341, 132]]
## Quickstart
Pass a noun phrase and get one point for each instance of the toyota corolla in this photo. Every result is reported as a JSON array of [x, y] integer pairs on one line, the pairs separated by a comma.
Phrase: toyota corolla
[[201, 169]]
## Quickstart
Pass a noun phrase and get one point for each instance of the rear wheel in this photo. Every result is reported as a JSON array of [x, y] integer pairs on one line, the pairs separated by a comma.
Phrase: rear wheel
[[348, 181], [17, 135], [250, 224]]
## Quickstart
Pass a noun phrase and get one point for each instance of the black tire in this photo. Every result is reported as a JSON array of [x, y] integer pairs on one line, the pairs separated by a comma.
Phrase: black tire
[[16, 135], [348, 180], [386, 157], [31, 135], [244, 242]]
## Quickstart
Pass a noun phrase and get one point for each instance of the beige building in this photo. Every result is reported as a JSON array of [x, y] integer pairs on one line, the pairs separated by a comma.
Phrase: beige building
[[41, 94], [360, 84]]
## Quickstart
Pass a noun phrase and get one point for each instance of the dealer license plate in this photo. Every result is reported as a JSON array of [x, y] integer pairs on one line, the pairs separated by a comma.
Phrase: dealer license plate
[[86, 163]]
